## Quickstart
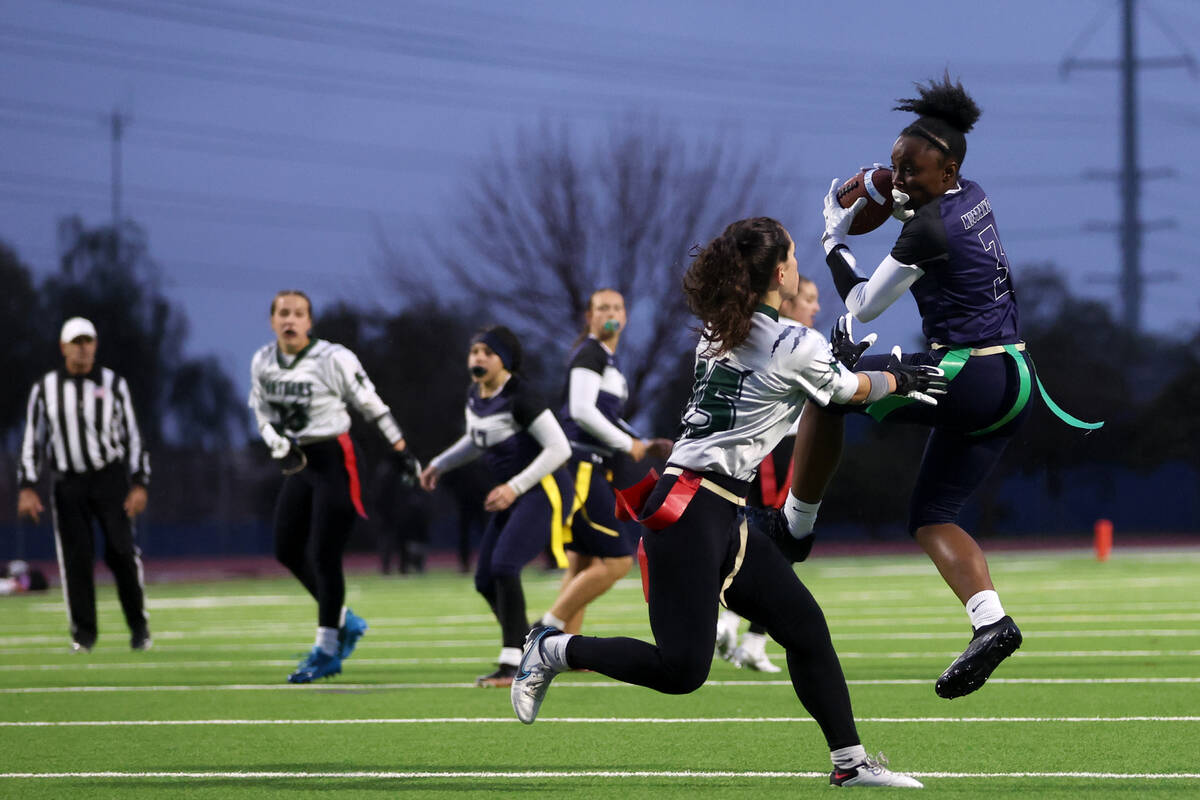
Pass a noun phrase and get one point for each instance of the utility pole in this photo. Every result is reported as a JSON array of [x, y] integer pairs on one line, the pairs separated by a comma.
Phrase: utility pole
[[1131, 226], [117, 122]]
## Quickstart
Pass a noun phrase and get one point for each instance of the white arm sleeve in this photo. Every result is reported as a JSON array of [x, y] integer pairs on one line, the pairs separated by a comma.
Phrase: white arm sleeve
[[262, 417], [585, 388], [358, 390], [555, 452], [869, 299], [461, 452]]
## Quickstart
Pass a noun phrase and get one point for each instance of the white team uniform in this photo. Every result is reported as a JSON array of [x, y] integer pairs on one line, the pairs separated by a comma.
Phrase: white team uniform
[[304, 396], [746, 400]]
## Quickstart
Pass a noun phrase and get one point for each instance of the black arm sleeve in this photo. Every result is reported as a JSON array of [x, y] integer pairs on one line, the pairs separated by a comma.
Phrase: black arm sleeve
[[590, 356], [845, 277]]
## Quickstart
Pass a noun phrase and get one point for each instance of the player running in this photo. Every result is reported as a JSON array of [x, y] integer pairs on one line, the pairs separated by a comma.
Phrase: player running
[[752, 375], [599, 547], [299, 388], [510, 425]]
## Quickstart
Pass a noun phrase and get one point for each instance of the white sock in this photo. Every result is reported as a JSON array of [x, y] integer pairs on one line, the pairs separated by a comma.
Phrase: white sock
[[553, 621], [555, 648], [984, 608], [728, 619], [801, 516], [754, 643], [509, 656], [327, 640], [847, 757], [342, 617]]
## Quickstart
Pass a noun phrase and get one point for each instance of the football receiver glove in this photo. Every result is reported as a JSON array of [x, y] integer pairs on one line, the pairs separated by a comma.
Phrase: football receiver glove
[[841, 341], [918, 383]]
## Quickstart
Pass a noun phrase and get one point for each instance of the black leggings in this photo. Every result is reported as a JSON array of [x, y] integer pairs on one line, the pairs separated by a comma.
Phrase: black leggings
[[313, 517], [688, 563]]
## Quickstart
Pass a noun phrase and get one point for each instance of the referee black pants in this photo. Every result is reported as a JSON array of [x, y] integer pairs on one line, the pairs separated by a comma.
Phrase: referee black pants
[[79, 500], [689, 563]]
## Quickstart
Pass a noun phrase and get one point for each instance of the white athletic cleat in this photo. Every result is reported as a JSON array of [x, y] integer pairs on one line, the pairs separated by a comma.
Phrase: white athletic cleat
[[726, 636], [533, 674], [872, 772], [758, 661]]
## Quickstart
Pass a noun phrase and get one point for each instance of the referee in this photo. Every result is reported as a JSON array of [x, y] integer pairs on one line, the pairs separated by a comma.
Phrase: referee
[[80, 420]]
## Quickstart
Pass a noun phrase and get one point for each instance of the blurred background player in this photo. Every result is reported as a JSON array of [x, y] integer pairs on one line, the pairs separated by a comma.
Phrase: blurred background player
[[950, 257], [752, 375], [599, 546], [400, 515], [510, 425], [299, 389], [80, 420], [768, 490]]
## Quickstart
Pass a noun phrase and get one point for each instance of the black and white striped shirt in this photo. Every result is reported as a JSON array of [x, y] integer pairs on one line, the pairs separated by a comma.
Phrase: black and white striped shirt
[[79, 424]]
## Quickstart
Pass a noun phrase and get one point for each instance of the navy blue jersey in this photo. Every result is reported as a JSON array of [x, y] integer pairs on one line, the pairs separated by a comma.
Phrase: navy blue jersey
[[610, 400], [966, 294], [497, 426]]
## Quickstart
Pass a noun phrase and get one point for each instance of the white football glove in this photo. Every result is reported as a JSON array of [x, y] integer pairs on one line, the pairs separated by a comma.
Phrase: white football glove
[[838, 219], [899, 200]]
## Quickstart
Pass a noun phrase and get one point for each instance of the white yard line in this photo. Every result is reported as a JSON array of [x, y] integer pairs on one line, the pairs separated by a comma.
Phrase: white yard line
[[154, 723], [573, 774], [605, 684]]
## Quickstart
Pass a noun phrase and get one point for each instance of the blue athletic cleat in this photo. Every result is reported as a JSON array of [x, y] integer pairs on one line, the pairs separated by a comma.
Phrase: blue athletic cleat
[[317, 664], [350, 633]]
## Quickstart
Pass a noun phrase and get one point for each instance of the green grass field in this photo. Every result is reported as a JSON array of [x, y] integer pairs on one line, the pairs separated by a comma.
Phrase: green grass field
[[1103, 699]]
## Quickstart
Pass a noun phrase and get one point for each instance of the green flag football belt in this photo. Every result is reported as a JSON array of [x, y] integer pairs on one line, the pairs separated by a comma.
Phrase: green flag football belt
[[952, 364]]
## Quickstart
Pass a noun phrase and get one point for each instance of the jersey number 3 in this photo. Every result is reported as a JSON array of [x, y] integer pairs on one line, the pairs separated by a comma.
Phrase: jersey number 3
[[713, 406], [991, 245]]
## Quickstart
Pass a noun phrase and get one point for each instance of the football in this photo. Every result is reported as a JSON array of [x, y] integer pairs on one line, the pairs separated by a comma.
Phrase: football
[[875, 184]]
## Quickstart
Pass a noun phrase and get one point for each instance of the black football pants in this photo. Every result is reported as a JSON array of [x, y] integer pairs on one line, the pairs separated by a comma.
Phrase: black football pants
[[688, 563]]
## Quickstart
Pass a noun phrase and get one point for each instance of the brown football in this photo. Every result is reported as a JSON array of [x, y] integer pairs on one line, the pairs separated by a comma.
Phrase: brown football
[[875, 184]]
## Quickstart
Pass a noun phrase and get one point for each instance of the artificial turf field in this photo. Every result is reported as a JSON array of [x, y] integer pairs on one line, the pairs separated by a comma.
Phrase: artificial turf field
[[1103, 699]]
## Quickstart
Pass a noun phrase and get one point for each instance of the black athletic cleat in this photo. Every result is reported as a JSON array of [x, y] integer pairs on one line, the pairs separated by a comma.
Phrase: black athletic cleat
[[990, 645], [502, 678], [773, 524], [140, 640]]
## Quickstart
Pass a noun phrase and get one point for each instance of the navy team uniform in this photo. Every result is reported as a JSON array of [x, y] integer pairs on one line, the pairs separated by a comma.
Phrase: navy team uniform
[[592, 527], [969, 316], [498, 430]]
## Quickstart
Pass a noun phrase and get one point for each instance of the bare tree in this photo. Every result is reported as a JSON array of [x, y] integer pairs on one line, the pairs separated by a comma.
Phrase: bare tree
[[545, 224]]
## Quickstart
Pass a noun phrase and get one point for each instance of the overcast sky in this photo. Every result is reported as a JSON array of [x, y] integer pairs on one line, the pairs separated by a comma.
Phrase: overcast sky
[[270, 143]]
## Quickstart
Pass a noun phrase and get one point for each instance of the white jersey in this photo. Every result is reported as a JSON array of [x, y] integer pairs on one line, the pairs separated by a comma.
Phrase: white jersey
[[304, 396], [745, 401]]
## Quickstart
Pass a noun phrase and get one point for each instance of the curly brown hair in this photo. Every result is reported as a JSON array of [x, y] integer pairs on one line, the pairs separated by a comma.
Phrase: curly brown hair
[[729, 276]]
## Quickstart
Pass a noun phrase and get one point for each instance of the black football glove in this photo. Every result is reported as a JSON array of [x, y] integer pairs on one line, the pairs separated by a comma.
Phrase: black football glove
[[408, 467], [773, 524], [841, 341], [919, 383]]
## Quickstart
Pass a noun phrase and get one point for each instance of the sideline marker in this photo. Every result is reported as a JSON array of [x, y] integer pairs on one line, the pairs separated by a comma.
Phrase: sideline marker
[[1103, 533]]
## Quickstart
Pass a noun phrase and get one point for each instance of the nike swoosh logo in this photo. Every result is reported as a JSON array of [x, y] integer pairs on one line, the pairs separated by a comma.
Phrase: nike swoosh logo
[[841, 776]]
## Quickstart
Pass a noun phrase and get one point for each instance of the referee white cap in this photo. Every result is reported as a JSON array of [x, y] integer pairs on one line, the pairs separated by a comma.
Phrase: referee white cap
[[75, 327]]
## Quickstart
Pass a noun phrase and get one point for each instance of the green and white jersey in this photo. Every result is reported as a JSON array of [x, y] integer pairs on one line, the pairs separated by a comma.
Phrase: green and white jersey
[[304, 396], [745, 401]]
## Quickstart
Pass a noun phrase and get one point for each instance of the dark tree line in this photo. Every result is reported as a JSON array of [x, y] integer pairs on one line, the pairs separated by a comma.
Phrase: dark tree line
[[538, 230]]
